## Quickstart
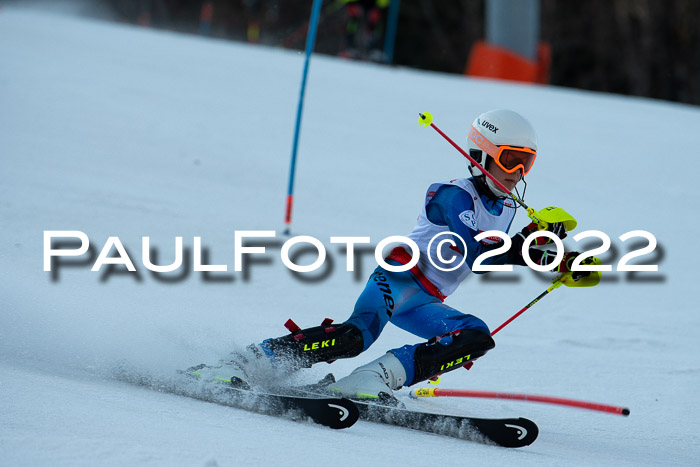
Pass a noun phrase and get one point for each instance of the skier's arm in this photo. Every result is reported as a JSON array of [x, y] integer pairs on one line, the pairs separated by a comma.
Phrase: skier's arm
[[454, 207]]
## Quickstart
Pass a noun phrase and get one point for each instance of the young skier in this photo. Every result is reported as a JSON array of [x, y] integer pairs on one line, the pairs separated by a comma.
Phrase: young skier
[[502, 141]]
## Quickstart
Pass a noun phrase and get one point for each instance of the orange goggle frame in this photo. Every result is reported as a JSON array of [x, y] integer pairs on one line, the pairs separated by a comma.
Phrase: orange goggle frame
[[508, 158]]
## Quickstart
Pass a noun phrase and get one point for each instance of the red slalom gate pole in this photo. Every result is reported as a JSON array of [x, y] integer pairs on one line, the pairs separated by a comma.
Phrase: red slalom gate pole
[[438, 392]]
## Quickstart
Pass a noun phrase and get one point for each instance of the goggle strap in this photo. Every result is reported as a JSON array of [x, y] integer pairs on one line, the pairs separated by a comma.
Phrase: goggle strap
[[480, 140]]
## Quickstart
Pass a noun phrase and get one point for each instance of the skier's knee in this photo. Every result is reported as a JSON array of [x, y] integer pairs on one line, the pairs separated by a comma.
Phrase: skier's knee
[[449, 352], [369, 324], [471, 322]]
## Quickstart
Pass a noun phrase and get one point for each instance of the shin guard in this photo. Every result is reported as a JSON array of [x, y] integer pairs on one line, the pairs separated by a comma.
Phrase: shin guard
[[325, 343], [449, 352]]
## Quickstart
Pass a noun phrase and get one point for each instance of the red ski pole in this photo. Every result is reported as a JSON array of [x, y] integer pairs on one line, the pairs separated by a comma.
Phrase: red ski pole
[[438, 392], [557, 282]]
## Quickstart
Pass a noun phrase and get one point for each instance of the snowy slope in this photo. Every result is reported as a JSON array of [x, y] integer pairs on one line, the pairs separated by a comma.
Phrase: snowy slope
[[118, 131]]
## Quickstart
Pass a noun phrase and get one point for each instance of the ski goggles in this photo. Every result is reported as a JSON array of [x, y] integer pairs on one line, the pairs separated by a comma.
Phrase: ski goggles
[[508, 158]]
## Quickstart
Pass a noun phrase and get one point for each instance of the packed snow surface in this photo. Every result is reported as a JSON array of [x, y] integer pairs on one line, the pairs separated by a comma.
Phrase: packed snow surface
[[117, 131]]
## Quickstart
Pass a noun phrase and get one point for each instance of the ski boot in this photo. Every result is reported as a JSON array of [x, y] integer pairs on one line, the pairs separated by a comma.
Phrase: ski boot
[[377, 380], [374, 382], [263, 364], [236, 371]]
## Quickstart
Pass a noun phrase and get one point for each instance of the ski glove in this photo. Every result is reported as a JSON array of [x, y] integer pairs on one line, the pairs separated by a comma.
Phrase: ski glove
[[544, 258], [567, 262], [557, 228]]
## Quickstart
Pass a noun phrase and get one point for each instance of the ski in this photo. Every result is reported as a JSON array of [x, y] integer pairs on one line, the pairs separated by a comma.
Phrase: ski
[[505, 432], [333, 412], [304, 403]]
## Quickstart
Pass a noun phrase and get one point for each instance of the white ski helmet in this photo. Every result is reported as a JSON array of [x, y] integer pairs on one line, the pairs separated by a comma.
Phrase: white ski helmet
[[495, 128]]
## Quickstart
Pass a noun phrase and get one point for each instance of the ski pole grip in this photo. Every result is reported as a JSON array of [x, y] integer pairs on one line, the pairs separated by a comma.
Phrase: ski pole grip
[[541, 225]]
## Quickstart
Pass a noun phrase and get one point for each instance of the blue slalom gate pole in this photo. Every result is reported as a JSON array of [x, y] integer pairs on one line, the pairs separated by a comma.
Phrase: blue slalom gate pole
[[310, 40], [391, 26]]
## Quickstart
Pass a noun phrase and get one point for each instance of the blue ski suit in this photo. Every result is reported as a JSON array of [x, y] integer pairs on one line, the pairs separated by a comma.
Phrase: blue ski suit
[[408, 299]]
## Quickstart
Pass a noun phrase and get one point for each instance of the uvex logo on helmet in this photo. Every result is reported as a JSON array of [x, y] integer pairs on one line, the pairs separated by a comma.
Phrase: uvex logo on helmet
[[489, 126]]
